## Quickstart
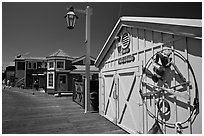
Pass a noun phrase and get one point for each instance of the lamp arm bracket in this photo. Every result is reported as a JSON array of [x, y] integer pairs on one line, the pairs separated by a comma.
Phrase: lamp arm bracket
[[80, 11]]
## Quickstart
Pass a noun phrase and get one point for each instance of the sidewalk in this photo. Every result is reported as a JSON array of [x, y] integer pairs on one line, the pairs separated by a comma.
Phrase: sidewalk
[[36, 112]]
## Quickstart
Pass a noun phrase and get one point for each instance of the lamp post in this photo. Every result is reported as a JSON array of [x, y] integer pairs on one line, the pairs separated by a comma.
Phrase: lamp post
[[71, 20]]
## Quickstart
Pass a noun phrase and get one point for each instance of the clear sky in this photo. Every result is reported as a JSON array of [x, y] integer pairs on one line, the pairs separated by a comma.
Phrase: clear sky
[[38, 28]]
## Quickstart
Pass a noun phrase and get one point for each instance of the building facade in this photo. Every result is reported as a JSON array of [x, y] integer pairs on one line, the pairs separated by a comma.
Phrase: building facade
[[62, 69], [149, 79], [9, 77], [54, 73], [29, 70]]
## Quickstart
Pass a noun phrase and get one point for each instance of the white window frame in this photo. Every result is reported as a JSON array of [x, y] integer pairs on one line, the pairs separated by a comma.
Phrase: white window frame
[[31, 65], [35, 65], [44, 65], [63, 64], [48, 86], [49, 65]]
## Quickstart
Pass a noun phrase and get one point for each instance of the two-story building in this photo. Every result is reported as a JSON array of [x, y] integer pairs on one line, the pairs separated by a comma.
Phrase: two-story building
[[58, 68], [54, 73], [30, 69], [62, 69]]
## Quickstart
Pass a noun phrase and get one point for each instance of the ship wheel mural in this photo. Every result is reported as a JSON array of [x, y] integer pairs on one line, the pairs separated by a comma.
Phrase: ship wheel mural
[[164, 80]]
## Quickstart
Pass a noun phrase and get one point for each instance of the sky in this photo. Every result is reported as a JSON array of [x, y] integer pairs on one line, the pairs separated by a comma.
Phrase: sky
[[38, 29]]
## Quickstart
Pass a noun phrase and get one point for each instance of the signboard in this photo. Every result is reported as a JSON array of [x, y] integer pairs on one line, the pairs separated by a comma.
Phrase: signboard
[[124, 48]]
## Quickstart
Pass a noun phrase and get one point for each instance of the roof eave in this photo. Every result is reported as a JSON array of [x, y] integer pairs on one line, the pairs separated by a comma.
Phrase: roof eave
[[169, 21], [193, 23], [81, 58], [99, 57]]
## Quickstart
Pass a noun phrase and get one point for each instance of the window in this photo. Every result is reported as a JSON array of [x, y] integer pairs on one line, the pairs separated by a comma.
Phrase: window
[[39, 64], [50, 79], [51, 65], [44, 65], [34, 65], [29, 65], [20, 65], [62, 79], [60, 64]]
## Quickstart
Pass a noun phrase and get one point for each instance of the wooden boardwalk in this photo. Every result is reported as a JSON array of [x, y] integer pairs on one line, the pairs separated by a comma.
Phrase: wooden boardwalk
[[25, 113]]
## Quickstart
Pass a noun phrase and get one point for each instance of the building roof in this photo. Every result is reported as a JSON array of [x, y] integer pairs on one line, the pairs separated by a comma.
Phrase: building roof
[[31, 58], [59, 53], [83, 57], [170, 21], [82, 69], [182, 27], [11, 64], [35, 58]]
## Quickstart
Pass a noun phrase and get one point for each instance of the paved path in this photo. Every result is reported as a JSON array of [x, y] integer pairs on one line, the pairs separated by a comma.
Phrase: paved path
[[23, 112]]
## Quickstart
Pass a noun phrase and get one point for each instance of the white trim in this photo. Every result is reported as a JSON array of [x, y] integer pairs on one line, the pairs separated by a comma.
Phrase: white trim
[[58, 57], [38, 74], [35, 65], [30, 65], [48, 65], [195, 24], [64, 71], [63, 65], [82, 58], [51, 87], [169, 21], [78, 59], [83, 72], [100, 53]]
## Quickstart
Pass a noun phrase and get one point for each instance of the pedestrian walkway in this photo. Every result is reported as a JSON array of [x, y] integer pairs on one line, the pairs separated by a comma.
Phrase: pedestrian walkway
[[34, 112]]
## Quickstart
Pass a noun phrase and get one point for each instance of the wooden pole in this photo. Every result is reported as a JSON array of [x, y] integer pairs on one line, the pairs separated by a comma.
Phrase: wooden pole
[[88, 44]]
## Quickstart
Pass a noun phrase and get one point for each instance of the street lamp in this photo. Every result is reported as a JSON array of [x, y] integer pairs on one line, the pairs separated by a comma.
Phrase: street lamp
[[71, 20]]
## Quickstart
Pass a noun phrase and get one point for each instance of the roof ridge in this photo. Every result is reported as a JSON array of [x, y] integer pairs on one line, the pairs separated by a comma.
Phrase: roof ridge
[[60, 53]]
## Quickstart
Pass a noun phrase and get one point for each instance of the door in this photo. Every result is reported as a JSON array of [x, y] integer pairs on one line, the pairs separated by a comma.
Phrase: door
[[122, 103], [42, 81], [110, 97], [62, 83], [129, 109]]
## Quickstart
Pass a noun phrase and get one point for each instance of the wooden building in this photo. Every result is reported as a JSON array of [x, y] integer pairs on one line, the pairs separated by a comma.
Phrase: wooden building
[[30, 69], [62, 69], [150, 77], [54, 73], [9, 75], [80, 67]]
